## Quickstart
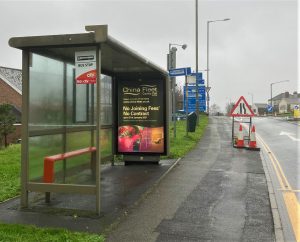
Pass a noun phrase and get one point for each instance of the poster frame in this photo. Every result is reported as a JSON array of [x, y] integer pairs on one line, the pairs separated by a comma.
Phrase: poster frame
[[117, 118]]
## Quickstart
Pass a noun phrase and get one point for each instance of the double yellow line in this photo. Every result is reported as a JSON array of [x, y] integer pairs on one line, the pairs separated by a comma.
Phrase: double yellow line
[[290, 199]]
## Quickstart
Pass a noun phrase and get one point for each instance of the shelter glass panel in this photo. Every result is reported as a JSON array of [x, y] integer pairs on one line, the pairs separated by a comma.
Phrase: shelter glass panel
[[106, 100], [39, 148], [62, 115], [106, 142], [45, 93], [80, 168]]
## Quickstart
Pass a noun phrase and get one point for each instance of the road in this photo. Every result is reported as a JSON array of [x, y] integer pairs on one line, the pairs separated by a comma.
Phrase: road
[[280, 143]]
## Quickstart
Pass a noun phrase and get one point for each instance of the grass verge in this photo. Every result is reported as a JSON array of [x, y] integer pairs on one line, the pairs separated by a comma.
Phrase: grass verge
[[24, 233], [10, 187], [182, 144], [10, 172]]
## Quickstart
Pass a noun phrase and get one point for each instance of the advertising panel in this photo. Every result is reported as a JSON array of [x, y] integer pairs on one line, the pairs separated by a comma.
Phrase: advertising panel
[[141, 117]]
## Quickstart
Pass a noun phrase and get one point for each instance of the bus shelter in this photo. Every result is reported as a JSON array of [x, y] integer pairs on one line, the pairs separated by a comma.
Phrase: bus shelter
[[72, 115]]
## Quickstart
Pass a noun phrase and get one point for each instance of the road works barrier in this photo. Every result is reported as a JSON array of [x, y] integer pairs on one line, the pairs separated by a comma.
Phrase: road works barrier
[[242, 110]]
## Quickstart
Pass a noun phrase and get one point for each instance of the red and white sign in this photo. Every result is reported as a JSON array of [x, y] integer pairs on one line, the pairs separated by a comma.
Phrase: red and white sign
[[242, 109], [85, 63]]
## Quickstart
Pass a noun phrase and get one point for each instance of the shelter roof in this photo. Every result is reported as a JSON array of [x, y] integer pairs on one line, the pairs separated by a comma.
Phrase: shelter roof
[[116, 58]]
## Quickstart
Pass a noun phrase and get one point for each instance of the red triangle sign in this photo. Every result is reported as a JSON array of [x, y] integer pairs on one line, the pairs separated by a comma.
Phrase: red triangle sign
[[242, 109]]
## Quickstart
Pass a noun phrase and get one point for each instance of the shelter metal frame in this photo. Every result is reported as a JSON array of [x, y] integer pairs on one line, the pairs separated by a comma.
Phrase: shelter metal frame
[[112, 58]]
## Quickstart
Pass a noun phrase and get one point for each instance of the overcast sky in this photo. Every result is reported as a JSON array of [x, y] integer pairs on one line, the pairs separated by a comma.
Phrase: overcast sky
[[256, 47]]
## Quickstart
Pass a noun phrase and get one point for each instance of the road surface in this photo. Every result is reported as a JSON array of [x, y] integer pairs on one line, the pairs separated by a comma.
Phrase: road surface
[[280, 143]]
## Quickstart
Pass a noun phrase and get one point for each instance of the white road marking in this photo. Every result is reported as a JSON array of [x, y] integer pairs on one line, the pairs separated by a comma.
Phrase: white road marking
[[289, 135]]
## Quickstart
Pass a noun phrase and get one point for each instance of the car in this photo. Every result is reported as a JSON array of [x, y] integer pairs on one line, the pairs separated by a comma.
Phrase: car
[[180, 115]]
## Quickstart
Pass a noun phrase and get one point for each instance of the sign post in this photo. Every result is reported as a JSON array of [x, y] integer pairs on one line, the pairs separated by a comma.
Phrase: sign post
[[186, 105], [85, 64], [181, 72], [269, 108]]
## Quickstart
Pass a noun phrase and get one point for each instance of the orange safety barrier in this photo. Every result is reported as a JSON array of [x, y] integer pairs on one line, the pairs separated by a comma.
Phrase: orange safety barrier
[[49, 161], [240, 140]]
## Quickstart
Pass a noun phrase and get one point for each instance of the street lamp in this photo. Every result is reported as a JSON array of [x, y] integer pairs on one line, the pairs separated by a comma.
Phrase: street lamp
[[197, 89], [207, 85], [251, 94], [184, 46], [271, 85], [171, 60]]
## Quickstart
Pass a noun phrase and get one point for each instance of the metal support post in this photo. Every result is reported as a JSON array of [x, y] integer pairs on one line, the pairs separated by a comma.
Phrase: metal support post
[[197, 88], [172, 65], [207, 68], [186, 104], [98, 130], [271, 101]]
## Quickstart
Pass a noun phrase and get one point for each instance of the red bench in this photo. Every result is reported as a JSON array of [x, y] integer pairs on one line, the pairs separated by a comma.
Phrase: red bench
[[49, 161]]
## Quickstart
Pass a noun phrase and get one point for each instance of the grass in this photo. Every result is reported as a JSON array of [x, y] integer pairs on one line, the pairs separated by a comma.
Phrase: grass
[[23, 233], [182, 144], [10, 172], [10, 187]]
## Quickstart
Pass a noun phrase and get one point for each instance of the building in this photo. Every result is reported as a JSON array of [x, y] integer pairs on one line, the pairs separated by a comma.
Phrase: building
[[11, 87], [285, 102], [259, 109], [11, 93]]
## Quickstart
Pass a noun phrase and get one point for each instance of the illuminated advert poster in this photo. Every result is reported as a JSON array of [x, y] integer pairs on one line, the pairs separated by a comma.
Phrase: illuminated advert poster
[[141, 117]]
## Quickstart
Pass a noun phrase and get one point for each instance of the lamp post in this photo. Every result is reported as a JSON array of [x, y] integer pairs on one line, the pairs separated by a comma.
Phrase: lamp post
[[197, 88], [207, 68], [271, 85], [171, 60], [251, 94]]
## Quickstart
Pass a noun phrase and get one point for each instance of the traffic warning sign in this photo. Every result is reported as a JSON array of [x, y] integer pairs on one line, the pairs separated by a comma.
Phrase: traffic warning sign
[[242, 109]]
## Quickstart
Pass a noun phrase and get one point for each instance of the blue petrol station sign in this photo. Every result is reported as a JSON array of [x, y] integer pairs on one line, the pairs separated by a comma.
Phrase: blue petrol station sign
[[199, 78], [191, 99]]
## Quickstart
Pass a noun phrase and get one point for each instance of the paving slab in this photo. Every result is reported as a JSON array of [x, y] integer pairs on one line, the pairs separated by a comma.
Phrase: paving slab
[[121, 188]]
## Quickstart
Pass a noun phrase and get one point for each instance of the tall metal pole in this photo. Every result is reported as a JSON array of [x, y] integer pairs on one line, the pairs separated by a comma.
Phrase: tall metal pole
[[197, 88], [207, 62], [186, 104], [251, 97], [172, 65], [207, 67], [171, 60], [271, 100]]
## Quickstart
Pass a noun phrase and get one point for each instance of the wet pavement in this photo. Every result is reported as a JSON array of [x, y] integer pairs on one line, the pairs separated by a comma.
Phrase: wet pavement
[[121, 188], [214, 193]]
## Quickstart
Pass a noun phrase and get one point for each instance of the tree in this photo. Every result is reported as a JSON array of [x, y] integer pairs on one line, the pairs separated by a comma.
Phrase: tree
[[229, 107], [7, 120], [179, 98], [215, 109]]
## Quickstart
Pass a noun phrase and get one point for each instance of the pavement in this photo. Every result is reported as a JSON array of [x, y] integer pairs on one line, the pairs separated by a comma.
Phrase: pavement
[[214, 193], [122, 187]]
